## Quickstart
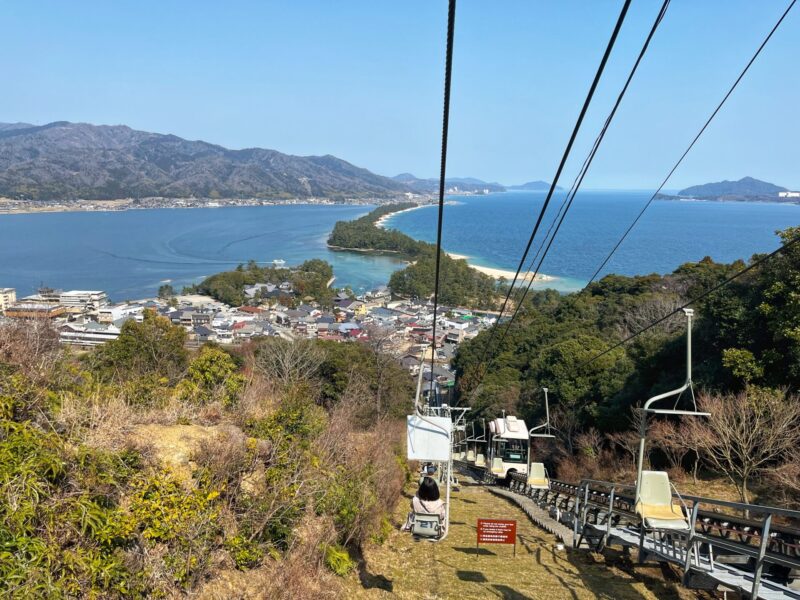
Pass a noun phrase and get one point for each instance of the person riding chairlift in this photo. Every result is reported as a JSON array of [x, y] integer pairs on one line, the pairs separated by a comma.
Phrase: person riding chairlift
[[428, 470], [426, 501]]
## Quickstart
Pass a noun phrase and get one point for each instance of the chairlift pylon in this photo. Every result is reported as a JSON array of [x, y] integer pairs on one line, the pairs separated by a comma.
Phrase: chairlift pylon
[[540, 479]]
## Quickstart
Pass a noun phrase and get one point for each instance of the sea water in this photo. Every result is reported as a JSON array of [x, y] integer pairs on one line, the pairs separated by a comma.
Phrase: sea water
[[130, 254], [493, 230]]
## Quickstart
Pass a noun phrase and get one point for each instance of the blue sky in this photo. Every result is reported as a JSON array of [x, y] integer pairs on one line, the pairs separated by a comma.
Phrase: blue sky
[[363, 81]]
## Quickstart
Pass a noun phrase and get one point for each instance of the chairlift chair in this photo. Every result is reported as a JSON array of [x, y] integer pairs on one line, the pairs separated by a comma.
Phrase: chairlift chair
[[654, 504], [427, 525], [435, 425], [653, 498], [538, 478]]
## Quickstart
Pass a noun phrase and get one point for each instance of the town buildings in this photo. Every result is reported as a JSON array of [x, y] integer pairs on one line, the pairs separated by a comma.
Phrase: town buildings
[[402, 328], [8, 296]]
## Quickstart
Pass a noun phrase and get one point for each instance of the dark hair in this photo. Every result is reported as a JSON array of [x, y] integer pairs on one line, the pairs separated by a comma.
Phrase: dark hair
[[428, 490]]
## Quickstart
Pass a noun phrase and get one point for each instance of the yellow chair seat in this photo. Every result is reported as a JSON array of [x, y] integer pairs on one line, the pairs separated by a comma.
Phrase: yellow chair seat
[[659, 516]]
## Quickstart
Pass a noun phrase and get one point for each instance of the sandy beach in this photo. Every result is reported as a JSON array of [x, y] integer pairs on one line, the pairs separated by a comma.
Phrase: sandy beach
[[382, 221], [501, 273]]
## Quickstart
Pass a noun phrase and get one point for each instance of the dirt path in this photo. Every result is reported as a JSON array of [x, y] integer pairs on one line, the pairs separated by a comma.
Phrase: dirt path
[[405, 568]]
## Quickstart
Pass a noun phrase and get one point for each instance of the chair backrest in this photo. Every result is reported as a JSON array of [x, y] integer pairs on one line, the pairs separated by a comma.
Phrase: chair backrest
[[480, 460], [654, 504], [537, 477], [497, 465], [655, 489], [427, 525], [470, 455], [537, 470]]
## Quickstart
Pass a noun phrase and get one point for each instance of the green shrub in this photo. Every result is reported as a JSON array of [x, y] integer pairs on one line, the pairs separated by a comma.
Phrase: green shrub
[[384, 531], [245, 553], [213, 375], [186, 520], [338, 560]]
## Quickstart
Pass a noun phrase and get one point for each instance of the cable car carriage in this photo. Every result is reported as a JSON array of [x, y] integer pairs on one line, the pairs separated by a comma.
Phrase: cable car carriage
[[508, 446]]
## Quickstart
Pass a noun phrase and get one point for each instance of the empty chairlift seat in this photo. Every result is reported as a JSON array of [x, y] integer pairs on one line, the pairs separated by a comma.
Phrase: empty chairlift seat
[[497, 466], [537, 478], [655, 506]]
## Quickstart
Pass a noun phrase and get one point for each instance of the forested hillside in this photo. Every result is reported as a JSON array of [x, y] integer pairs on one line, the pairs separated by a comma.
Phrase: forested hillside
[[746, 340], [362, 234], [143, 470]]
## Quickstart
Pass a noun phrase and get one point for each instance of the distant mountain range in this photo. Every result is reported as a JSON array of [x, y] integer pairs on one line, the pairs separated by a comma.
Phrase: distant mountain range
[[468, 184], [464, 184], [67, 161], [746, 189]]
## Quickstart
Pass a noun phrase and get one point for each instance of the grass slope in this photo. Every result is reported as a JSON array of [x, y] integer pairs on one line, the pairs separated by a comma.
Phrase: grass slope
[[404, 568]]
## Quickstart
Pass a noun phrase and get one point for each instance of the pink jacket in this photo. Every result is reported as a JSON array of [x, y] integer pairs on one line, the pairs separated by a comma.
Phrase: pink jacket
[[435, 507]]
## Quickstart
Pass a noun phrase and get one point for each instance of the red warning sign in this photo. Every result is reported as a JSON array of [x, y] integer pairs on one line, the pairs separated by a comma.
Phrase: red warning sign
[[497, 531]]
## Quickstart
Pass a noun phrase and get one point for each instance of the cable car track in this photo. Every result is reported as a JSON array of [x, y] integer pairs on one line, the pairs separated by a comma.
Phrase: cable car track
[[728, 551]]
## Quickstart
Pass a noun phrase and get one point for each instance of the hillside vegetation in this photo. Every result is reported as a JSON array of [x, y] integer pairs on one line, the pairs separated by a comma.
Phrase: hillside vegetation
[[362, 233], [460, 285], [142, 470], [746, 368], [310, 280]]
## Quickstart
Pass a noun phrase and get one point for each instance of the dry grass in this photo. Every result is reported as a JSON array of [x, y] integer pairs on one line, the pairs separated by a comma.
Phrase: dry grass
[[299, 575], [404, 568], [97, 420], [174, 446]]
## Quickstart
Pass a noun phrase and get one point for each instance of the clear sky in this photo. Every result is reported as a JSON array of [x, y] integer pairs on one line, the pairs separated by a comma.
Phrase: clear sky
[[363, 80]]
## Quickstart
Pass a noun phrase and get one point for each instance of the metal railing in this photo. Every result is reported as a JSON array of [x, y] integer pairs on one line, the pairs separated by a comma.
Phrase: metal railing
[[727, 541]]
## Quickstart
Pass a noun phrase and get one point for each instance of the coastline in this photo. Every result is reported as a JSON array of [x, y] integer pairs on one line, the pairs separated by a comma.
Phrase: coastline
[[494, 272], [729, 200], [15, 207], [507, 274], [381, 222]]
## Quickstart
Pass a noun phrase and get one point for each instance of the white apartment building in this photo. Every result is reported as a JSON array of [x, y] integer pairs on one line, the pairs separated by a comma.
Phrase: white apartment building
[[8, 296], [789, 194], [83, 299], [88, 334], [113, 312]]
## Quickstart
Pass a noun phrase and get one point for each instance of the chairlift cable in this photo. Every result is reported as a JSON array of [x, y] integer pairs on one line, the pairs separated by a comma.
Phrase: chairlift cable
[[697, 137], [570, 197], [705, 294], [677, 164], [564, 158], [451, 19]]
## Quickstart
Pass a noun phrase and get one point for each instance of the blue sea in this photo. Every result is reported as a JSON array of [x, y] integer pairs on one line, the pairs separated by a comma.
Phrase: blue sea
[[130, 254], [493, 229]]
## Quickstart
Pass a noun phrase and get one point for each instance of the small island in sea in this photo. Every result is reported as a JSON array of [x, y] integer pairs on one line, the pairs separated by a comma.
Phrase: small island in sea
[[746, 189], [533, 186]]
